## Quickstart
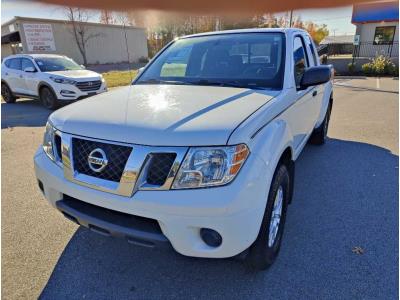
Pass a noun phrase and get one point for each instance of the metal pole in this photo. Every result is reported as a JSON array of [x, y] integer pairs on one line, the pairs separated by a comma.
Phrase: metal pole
[[291, 18]]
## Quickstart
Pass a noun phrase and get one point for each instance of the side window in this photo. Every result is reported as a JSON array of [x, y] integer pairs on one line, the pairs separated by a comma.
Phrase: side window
[[27, 63], [300, 60], [312, 48], [15, 63]]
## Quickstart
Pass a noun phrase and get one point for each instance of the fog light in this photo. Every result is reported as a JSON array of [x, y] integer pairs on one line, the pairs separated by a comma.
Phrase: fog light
[[211, 237], [67, 92]]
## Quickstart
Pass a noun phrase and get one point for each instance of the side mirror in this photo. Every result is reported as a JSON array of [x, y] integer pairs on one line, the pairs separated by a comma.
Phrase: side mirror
[[83, 67], [316, 75], [30, 69]]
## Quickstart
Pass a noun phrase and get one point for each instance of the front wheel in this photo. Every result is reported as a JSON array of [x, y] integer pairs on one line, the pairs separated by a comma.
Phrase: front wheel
[[265, 249], [7, 94], [48, 98]]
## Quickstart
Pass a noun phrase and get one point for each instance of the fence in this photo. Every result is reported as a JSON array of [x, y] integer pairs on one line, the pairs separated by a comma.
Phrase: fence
[[335, 49], [372, 50], [364, 49]]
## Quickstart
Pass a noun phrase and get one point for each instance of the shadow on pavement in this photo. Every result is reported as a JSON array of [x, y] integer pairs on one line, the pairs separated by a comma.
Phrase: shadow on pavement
[[346, 196], [23, 113]]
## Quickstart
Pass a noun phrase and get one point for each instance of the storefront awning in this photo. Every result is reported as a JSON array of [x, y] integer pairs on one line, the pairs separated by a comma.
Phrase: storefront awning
[[11, 38]]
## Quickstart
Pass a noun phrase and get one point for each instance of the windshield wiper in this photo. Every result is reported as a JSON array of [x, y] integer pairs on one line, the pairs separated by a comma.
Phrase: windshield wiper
[[158, 81], [231, 83]]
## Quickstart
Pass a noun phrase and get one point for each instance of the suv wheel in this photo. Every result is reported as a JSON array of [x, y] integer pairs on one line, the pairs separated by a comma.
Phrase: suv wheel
[[7, 94], [265, 249], [48, 98], [318, 137]]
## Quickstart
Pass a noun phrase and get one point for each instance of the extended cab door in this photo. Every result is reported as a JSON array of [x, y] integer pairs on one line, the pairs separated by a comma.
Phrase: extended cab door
[[318, 91], [304, 109]]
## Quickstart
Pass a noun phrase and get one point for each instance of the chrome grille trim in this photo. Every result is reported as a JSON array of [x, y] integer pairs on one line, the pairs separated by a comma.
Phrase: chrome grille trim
[[86, 86], [134, 174]]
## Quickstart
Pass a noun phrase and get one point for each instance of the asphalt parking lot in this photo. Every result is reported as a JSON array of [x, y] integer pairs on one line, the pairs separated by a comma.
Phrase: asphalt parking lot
[[346, 196]]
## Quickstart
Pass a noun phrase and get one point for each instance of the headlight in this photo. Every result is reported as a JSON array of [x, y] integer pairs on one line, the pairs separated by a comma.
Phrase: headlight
[[102, 79], [210, 166], [48, 140], [62, 80]]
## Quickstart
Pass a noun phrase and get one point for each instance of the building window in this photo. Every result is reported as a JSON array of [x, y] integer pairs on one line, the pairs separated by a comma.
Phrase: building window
[[384, 35]]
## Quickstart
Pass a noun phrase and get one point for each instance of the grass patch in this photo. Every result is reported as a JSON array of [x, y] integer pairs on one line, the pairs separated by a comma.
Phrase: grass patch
[[119, 78]]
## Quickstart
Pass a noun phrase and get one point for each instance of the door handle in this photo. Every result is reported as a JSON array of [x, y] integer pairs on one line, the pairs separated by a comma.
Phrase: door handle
[[20, 76], [6, 74], [314, 93]]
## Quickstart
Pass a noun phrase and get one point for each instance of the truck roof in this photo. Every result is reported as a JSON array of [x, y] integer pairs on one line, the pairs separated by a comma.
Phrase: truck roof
[[248, 30]]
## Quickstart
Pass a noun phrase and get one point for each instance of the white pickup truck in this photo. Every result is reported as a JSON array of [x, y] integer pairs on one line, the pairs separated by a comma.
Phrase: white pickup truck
[[198, 154]]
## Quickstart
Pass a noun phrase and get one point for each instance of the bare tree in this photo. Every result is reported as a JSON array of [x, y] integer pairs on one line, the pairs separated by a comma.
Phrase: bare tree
[[78, 19], [107, 17]]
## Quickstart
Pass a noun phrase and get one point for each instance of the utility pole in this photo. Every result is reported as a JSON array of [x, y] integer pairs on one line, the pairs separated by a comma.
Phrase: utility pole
[[291, 18]]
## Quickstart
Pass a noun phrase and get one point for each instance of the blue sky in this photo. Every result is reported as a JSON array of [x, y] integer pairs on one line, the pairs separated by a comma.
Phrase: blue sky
[[337, 19]]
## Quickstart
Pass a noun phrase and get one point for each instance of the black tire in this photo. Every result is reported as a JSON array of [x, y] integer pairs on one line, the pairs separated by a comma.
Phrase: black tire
[[48, 98], [318, 137], [262, 253], [7, 94]]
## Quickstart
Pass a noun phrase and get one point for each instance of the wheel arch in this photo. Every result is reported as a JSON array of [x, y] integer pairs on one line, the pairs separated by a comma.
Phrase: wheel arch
[[43, 84], [274, 144], [5, 82], [287, 159]]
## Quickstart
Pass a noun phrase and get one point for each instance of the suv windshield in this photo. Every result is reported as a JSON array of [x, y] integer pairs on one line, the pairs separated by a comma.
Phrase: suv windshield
[[50, 64], [250, 60]]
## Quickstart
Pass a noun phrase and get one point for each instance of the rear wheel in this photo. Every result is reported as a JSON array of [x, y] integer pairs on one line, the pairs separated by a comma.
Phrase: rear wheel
[[318, 137], [7, 94], [48, 98], [265, 249]]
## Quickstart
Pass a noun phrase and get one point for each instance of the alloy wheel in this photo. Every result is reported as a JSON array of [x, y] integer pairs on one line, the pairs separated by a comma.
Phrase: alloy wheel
[[275, 217]]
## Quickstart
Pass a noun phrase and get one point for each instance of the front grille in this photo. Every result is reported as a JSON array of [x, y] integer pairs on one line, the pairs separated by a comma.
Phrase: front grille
[[117, 156], [57, 144], [89, 85], [159, 167]]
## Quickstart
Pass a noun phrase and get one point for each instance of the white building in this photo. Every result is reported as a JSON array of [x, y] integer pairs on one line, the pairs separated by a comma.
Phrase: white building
[[109, 44], [377, 28]]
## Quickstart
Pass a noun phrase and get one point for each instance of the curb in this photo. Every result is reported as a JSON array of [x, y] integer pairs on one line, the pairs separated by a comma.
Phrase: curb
[[365, 88], [350, 77]]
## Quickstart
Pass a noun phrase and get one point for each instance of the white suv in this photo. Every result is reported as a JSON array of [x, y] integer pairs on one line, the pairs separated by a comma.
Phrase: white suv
[[54, 79]]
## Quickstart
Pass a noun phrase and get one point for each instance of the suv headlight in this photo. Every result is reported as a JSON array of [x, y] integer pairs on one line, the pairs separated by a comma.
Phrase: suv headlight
[[210, 166], [48, 141], [62, 80]]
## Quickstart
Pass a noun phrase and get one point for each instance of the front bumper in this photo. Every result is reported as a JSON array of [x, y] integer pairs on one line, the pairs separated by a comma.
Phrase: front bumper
[[71, 92], [235, 211]]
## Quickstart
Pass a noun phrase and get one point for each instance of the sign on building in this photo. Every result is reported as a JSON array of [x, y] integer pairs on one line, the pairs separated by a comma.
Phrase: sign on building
[[39, 37], [356, 40]]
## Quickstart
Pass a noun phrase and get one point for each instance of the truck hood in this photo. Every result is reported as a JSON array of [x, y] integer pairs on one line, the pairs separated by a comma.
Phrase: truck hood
[[162, 115], [76, 74]]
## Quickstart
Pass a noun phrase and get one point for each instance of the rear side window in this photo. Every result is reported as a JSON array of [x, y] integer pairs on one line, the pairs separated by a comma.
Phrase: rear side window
[[300, 60], [14, 63], [7, 63], [312, 48]]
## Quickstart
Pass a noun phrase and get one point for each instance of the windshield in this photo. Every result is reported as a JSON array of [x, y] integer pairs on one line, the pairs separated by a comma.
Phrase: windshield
[[251, 60], [50, 64]]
